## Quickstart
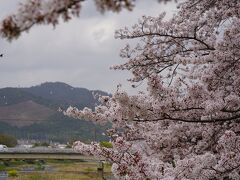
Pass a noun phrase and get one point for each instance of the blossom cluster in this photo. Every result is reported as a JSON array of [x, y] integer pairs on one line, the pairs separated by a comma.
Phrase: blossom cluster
[[186, 125]]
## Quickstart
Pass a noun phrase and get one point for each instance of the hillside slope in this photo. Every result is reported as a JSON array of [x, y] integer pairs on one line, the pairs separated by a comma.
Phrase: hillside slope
[[32, 112], [25, 113]]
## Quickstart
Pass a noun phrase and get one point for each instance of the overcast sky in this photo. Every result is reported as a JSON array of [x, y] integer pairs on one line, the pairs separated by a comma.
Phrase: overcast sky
[[79, 52]]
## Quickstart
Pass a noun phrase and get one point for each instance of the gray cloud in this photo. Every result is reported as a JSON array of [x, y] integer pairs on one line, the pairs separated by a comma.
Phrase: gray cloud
[[79, 52]]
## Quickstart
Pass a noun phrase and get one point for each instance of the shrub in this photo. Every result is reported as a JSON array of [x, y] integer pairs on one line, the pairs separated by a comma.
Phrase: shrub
[[12, 173], [7, 140], [106, 144], [2, 167]]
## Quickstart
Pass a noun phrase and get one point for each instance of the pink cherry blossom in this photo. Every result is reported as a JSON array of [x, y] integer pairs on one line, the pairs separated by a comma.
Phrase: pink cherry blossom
[[186, 124]]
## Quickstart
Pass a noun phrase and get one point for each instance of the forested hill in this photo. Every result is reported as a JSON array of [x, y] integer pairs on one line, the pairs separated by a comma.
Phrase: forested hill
[[32, 112], [65, 95]]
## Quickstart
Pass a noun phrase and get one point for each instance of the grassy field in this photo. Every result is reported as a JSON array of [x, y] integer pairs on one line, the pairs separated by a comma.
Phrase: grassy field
[[54, 170]]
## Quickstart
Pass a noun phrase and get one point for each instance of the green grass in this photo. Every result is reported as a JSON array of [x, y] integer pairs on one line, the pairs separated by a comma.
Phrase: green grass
[[63, 161], [36, 177], [62, 170], [39, 167], [89, 169], [16, 162], [107, 167], [6, 165], [56, 176], [2, 167]]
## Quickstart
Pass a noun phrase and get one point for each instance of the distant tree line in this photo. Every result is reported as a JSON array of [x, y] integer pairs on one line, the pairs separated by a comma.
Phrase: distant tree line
[[58, 128], [9, 141]]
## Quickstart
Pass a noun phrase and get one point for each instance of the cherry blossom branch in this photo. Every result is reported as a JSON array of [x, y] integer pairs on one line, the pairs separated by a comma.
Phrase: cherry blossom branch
[[233, 118]]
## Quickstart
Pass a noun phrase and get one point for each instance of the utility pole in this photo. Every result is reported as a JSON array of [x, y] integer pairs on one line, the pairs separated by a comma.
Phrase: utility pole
[[100, 169], [95, 134]]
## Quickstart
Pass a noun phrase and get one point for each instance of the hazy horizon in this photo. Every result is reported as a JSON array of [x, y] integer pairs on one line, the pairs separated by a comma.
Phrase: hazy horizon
[[39, 84], [79, 52]]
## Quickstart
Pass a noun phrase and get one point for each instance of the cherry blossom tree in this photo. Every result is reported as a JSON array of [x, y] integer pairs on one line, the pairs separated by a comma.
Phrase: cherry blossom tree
[[34, 12], [186, 124]]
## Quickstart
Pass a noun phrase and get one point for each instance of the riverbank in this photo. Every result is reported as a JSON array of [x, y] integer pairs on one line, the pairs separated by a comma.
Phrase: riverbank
[[54, 169]]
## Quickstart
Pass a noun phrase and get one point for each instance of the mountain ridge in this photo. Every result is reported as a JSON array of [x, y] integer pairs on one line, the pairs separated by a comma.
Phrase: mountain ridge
[[25, 109]]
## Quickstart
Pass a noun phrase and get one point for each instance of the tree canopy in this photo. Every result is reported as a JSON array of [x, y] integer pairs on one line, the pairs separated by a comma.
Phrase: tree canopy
[[7, 140], [34, 12]]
